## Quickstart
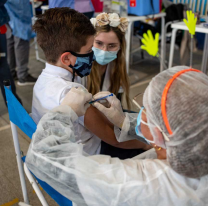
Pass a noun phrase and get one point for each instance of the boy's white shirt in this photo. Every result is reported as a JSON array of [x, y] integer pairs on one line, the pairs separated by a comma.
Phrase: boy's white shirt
[[50, 89]]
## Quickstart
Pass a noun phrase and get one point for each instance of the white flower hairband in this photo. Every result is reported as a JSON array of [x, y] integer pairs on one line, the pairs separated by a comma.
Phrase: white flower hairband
[[111, 19]]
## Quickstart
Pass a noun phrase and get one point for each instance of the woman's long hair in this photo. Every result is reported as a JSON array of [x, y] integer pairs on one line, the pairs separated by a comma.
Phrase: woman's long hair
[[118, 74]]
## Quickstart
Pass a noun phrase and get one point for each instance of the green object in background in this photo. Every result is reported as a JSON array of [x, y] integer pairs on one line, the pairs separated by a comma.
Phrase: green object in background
[[150, 44], [191, 23]]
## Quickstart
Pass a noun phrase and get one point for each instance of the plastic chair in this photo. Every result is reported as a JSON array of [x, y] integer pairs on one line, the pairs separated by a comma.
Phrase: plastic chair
[[19, 117]]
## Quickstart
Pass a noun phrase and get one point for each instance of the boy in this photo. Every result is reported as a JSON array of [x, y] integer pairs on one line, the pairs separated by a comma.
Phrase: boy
[[66, 37]]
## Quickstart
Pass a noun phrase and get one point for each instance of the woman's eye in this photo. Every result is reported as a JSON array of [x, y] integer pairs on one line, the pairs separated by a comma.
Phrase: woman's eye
[[112, 46], [99, 43]]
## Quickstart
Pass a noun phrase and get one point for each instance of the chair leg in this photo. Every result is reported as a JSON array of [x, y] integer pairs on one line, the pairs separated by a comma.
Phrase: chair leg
[[173, 37], [162, 44], [19, 162], [128, 45], [142, 54], [205, 55], [35, 186], [37, 51]]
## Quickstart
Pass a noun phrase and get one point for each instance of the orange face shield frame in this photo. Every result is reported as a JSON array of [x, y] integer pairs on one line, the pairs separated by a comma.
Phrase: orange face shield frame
[[164, 97]]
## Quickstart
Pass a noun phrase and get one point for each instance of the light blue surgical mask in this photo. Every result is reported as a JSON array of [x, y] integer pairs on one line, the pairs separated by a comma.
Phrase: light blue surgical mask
[[104, 57], [138, 127]]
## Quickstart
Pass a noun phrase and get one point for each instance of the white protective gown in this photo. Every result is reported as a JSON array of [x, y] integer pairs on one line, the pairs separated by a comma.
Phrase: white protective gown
[[100, 180]]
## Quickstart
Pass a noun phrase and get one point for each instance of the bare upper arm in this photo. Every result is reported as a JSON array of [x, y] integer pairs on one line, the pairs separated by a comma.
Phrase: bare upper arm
[[99, 125]]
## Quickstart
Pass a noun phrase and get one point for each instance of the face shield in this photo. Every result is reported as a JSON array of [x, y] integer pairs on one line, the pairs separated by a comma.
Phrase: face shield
[[157, 133]]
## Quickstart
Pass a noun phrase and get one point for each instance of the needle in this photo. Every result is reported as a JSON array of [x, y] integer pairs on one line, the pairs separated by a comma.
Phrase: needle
[[100, 98]]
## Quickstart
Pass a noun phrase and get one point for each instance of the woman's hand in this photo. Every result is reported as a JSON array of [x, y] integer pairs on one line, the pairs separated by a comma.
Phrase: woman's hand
[[78, 99], [115, 113]]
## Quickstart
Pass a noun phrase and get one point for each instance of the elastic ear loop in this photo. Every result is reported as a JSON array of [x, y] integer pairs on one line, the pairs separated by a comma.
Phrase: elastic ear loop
[[164, 97], [165, 136]]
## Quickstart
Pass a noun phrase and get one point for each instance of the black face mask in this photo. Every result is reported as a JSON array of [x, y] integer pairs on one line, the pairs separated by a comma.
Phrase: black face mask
[[83, 64]]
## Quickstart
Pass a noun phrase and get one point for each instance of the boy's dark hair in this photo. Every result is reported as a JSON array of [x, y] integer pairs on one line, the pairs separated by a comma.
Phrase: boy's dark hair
[[62, 29]]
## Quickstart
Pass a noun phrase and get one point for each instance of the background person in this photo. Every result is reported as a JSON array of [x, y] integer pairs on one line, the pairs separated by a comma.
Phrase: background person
[[83, 6], [18, 35], [4, 67], [178, 179]]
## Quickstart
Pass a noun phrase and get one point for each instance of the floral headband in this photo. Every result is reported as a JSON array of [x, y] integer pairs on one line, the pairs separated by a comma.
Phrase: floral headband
[[111, 19]]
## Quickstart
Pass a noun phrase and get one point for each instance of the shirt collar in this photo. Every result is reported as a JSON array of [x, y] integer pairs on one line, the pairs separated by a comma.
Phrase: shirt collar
[[58, 72]]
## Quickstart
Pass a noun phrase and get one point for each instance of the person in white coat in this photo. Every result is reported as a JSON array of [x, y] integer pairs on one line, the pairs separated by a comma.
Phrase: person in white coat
[[174, 121]]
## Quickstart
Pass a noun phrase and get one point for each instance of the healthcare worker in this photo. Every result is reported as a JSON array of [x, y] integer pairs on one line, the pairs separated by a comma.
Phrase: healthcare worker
[[18, 35], [174, 120], [83, 6], [109, 70]]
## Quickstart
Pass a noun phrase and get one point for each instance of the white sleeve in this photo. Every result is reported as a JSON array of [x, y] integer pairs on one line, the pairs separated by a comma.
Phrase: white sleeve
[[55, 158]]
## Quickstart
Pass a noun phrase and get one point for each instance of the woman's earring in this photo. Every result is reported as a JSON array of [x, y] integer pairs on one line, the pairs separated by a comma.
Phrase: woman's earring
[[157, 148]]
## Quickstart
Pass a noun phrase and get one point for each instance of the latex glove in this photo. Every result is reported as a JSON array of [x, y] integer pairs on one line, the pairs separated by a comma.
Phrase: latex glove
[[150, 44], [77, 99], [191, 24], [115, 113]]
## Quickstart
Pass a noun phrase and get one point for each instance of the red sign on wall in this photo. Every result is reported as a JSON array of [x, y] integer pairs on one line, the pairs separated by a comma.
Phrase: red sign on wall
[[132, 3]]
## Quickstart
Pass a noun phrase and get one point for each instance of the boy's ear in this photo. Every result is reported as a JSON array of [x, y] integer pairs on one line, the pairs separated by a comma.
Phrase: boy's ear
[[66, 58]]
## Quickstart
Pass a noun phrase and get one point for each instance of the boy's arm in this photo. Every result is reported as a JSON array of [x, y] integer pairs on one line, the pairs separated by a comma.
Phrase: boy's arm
[[99, 125]]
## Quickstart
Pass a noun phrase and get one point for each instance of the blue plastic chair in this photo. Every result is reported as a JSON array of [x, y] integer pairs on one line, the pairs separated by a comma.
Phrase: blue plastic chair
[[19, 117]]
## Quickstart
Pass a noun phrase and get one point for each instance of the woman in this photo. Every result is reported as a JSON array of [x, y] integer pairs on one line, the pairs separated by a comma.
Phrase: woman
[[83, 6], [109, 70], [181, 133]]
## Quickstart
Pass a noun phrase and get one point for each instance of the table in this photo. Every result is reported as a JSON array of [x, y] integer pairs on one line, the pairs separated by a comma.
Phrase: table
[[199, 28], [129, 33]]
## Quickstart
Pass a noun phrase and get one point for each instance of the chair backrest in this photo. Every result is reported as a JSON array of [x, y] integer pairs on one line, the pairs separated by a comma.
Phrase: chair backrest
[[19, 117], [200, 6]]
